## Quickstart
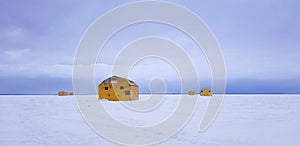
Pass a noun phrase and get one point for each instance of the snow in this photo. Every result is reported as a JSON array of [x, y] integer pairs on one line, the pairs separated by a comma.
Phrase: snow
[[243, 120]]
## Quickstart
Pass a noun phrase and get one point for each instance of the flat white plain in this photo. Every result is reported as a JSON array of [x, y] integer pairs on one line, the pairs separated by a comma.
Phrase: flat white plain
[[254, 119]]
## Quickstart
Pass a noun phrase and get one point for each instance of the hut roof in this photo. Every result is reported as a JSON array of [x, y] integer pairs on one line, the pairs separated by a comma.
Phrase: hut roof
[[114, 78]]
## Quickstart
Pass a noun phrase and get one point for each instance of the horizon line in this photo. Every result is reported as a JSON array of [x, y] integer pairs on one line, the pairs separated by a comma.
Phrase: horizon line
[[139, 93]]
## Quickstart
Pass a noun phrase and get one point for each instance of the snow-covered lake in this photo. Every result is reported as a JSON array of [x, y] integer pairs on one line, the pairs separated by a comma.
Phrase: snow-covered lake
[[243, 120]]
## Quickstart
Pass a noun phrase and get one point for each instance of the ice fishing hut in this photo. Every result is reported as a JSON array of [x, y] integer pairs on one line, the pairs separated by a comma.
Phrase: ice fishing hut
[[206, 92], [118, 89], [62, 93], [191, 92]]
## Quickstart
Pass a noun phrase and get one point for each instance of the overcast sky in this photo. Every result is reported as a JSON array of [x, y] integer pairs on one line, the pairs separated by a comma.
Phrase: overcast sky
[[260, 41]]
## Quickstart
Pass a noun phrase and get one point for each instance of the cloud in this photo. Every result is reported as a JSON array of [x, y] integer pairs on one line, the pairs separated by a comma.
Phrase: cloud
[[262, 61], [13, 33], [38, 85], [259, 39], [36, 70], [15, 55]]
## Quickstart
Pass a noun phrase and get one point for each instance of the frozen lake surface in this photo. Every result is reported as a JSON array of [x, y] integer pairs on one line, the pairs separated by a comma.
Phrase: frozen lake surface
[[243, 120]]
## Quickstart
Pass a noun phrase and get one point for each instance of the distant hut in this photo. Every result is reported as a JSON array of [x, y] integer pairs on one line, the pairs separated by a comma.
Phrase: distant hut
[[71, 94], [191, 92], [62, 93], [206, 92], [118, 89]]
